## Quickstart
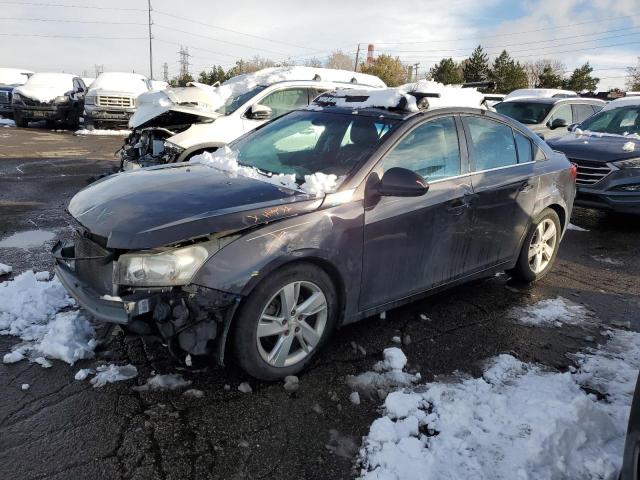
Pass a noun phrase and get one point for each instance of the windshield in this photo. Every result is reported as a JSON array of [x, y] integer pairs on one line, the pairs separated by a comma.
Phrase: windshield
[[617, 121], [529, 113], [307, 142], [234, 103], [121, 82]]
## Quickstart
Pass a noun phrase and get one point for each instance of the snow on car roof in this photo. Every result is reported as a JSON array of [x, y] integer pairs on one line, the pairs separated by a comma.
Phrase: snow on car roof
[[14, 76], [121, 82], [410, 97], [623, 102], [538, 93]]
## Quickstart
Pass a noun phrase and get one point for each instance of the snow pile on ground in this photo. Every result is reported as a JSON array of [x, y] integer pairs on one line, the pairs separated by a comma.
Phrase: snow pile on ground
[[45, 87], [4, 269], [6, 122], [226, 159], [30, 309], [171, 381], [100, 132], [450, 96], [112, 373], [551, 312], [517, 421], [387, 375]]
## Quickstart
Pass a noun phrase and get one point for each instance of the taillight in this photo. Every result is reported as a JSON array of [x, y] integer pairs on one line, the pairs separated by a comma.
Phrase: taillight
[[574, 171]]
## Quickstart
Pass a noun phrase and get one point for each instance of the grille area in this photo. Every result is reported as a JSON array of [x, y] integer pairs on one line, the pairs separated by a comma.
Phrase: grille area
[[113, 101], [590, 173], [97, 272], [4, 96]]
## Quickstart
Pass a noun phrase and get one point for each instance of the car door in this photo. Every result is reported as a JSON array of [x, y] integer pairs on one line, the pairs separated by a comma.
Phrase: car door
[[414, 243], [563, 112], [504, 187], [581, 111], [280, 101]]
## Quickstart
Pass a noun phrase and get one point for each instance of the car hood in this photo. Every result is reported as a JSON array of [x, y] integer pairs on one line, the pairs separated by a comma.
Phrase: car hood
[[160, 206], [40, 93], [607, 148], [193, 100]]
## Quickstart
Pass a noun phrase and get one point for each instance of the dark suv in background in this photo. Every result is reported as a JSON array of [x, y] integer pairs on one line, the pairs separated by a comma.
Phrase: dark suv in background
[[606, 148], [550, 117]]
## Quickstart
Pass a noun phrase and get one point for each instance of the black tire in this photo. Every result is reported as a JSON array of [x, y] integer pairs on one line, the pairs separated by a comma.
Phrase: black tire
[[73, 120], [20, 120], [523, 271], [89, 124], [246, 322]]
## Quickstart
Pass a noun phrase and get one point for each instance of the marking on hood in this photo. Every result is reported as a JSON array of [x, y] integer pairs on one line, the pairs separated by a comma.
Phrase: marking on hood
[[279, 230]]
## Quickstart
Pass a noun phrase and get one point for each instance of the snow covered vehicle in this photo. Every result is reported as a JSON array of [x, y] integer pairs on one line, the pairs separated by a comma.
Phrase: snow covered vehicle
[[112, 97], [53, 97], [276, 239], [10, 78], [177, 123]]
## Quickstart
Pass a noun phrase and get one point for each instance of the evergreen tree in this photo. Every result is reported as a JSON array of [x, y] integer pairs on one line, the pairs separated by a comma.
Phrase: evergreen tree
[[445, 72], [216, 74], [476, 67], [549, 78], [388, 69], [508, 74], [581, 79]]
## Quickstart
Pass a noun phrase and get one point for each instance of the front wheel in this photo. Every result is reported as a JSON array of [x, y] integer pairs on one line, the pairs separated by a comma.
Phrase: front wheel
[[539, 249], [20, 120], [285, 321]]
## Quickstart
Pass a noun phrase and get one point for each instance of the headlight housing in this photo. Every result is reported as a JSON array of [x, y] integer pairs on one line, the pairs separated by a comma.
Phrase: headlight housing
[[59, 100], [90, 100], [159, 269], [628, 163]]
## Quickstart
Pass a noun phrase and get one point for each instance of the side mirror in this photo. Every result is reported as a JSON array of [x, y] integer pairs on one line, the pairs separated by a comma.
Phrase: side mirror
[[572, 127], [401, 182], [260, 112], [558, 123]]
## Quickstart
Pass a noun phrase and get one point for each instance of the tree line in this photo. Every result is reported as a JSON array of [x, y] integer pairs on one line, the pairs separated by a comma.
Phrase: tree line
[[505, 72]]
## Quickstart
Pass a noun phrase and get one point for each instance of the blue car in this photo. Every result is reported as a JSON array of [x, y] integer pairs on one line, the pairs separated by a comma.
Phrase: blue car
[[606, 149]]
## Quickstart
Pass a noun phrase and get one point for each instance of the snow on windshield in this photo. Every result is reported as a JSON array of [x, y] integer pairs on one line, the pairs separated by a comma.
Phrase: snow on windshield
[[44, 87], [13, 76], [450, 96], [226, 159], [121, 82]]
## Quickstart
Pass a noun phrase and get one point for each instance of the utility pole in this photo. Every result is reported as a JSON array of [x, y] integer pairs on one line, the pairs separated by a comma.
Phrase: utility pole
[[150, 43], [415, 65], [165, 71], [355, 67]]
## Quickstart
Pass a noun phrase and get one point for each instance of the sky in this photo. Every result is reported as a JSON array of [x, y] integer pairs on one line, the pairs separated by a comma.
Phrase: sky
[[34, 34]]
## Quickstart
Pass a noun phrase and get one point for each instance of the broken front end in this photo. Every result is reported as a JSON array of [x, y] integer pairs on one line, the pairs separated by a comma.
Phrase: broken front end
[[147, 292]]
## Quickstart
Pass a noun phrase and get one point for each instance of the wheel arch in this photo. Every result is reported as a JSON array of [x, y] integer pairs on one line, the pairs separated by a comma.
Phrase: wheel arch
[[562, 214]]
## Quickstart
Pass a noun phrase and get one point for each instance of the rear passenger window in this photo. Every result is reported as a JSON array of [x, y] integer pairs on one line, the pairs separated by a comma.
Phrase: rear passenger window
[[524, 147], [430, 150], [491, 145]]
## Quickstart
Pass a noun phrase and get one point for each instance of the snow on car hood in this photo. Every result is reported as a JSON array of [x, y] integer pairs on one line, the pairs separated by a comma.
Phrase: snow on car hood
[[13, 76], [44, 87], [450, 96], [131, 83], [203, 100]]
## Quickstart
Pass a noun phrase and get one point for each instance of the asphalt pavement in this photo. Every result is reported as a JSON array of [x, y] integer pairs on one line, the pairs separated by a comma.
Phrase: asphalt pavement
[[61, 428]]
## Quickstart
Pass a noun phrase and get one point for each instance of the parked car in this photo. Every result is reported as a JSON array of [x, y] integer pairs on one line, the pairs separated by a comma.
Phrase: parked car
[[112, 98], [362, 202], [606, 148], [10, 78], [539, 93], [549, 117], [173, 125], [53, 97]]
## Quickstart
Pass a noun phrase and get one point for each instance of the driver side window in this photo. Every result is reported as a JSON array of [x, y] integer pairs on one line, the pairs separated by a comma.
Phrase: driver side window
[[431, 150], [562, 112], [286, 100]]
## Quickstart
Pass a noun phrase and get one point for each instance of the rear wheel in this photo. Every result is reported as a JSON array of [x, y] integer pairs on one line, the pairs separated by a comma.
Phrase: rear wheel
[[20, 120], [539, 249], [285, 321]]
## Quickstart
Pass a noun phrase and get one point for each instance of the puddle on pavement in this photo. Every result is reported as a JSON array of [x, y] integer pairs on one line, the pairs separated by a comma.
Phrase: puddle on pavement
[[27, 239]]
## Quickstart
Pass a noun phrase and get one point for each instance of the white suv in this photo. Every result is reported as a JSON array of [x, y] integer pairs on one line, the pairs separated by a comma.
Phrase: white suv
[[177, 123]]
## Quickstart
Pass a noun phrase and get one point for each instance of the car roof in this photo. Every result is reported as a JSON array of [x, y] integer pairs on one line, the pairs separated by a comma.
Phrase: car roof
[[553, 101], [319, 83]]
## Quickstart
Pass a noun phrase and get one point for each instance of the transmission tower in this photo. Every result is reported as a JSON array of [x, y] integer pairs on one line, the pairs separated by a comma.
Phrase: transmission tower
[[184, 61], [98, 69], [165, 71]]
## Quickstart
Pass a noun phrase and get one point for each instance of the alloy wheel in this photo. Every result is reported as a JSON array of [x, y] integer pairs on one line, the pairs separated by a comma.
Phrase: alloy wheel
[[291, 324], [543, 245]]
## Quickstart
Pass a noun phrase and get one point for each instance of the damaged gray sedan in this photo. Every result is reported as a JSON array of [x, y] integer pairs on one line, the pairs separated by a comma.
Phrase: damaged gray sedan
[[317, 219]]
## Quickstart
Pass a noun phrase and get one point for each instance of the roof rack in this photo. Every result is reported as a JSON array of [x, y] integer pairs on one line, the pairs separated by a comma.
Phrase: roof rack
[[491, 85]]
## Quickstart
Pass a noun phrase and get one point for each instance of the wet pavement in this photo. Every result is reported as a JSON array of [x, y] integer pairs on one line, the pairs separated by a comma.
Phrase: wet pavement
[[61, 428]]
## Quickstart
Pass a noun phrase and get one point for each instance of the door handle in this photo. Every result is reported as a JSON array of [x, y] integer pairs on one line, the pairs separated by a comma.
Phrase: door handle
[[457, 206]]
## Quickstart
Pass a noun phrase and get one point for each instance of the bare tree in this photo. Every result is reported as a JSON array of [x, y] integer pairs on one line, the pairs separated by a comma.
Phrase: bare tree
[[313, 62], [340, 61], [633, 77], [535, 68]]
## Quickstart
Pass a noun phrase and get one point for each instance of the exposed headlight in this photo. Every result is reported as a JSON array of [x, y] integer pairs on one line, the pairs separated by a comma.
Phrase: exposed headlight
[[629, 163], [173, 267], [61, 99], [90, 100]]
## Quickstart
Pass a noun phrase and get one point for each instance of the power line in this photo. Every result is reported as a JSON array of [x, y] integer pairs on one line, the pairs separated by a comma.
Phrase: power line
[[230, 30], [70, 21], [475, 38], [90, 7], [196, 48], [70, 36]]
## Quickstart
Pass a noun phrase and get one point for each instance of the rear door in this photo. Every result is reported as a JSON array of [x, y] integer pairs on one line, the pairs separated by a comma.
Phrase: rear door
[[280, 101], [504, 187], [413, 244]]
